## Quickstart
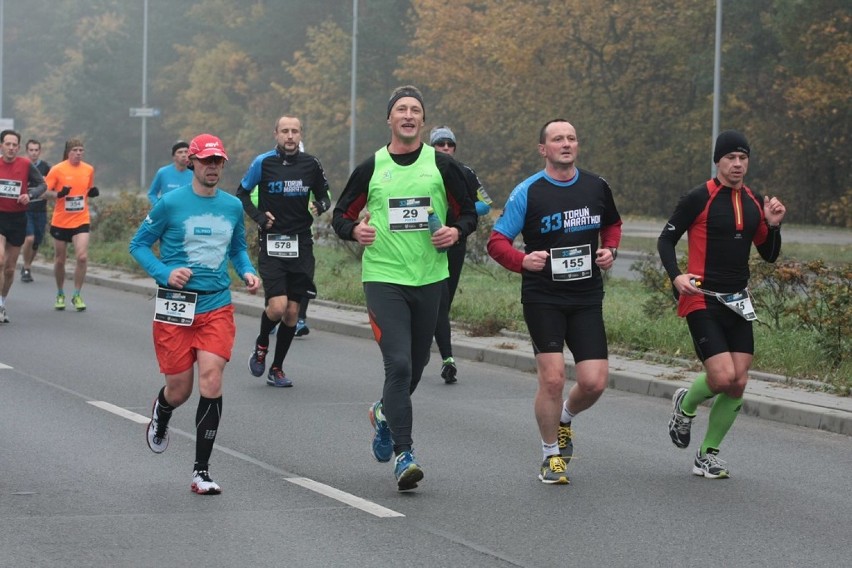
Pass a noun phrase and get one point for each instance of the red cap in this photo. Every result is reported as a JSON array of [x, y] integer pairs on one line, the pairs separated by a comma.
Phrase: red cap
[[206, 145]]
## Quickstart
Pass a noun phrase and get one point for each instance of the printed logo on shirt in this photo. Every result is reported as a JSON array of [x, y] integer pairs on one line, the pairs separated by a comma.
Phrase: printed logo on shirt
[[570, 221], [205, 231], [287, 187]]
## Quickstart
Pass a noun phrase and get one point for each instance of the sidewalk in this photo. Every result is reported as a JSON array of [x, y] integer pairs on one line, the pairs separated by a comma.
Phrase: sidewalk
[[767, 396]]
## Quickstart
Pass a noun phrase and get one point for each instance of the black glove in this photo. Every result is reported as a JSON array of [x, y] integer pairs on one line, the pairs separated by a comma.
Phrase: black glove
[[64, 191], [94, 192]]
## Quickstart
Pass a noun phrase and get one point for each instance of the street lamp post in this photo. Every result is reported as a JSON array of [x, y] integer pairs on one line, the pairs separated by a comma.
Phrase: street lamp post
[[144, 94], [717, 74], [352, 88]]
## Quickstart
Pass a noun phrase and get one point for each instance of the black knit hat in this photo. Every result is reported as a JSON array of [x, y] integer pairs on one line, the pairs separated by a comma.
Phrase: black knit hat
[[730, 141], [178, 145]]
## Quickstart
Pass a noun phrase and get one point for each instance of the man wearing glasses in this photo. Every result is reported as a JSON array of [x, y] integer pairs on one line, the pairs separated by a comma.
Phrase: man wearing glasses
[[444, 141], [199, 228]]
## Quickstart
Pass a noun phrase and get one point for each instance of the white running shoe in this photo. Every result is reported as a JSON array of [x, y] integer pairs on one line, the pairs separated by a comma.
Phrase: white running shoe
[[203, 485], [157, 442]]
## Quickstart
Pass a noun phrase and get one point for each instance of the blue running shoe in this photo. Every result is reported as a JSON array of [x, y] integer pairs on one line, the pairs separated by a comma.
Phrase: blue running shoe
[[407, 472], [257, 361], [277, 378], [302, 328], [382, 444]]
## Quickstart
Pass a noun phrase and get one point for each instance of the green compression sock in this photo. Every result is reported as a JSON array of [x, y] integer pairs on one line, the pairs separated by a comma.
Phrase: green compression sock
[[722, 416], [698, 392]]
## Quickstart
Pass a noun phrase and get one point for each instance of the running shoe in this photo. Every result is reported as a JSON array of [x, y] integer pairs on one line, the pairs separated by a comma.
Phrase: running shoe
[[257, 361], [408, 473], [382, 444], [565, 438], [680, 425], [78, 303], [60, 302], [448, 370], [277, 378], [553, 471], [157, 435], [203, 485], [4, 318], [709, 465], [302, 328], [26, 275]]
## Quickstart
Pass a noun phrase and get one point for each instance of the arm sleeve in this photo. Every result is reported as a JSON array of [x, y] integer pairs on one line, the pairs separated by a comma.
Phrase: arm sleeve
[[500, 248], [251, 180], [256, 215], [352, 200], [480, 197], [766, 239], [142, 242], [611, 231], [458, 198], [685, 213], [154, 190], [320, 189], [35, 183], [238, 253], [771, 247]]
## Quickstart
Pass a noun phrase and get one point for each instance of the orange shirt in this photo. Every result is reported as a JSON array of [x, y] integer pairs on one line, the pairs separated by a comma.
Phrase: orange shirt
[[71, 211]]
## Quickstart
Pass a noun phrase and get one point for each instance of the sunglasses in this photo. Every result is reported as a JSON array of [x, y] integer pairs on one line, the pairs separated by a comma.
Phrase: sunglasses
[[215, 160], [445, 143]]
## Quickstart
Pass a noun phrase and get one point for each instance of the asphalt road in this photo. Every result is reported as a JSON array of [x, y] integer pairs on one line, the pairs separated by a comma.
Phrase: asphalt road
[[79, 486]]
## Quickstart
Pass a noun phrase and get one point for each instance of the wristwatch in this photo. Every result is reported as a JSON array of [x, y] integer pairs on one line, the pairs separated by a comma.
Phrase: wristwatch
[[614, 252]]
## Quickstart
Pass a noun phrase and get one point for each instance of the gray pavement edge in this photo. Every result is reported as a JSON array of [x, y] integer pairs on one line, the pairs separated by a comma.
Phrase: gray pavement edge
[[768, 397]]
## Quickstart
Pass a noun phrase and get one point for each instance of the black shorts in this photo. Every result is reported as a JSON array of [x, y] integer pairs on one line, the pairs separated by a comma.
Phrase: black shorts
[[718, 329], [13, 226], [67, 235], [291, 277], [581, 328]]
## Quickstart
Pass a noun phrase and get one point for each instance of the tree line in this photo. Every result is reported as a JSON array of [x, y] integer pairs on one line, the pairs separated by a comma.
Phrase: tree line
[[635, 78]]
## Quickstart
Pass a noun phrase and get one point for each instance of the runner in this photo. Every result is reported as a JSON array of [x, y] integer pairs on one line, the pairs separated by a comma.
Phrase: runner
[[723, 217], [199, 228], [443, 140], [36, 215], [20, 182], [70, 183], [285, 178], [571, 230], [171, 176], [402, 270]]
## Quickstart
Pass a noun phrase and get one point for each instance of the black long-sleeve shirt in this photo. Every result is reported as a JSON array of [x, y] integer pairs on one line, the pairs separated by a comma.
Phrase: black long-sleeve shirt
[[723, 223]]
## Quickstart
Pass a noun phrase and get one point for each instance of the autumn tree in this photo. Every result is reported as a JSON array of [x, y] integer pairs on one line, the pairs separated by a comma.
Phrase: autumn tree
[[513, 66]]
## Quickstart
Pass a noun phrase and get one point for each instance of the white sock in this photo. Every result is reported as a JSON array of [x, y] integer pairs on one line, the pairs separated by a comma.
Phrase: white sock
[[2, 301], [548, 450], [567, 417]]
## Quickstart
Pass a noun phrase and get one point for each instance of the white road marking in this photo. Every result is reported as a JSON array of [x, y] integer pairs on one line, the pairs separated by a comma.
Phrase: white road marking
[[346, 498], [117, 410], [343, 497], [2, 366]]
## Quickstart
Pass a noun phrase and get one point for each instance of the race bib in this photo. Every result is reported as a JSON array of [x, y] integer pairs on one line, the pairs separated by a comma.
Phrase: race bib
[[175, 307], [408, 214], [10, 189], [740, 302], [571, 263], [282, 246], [74, 204]]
